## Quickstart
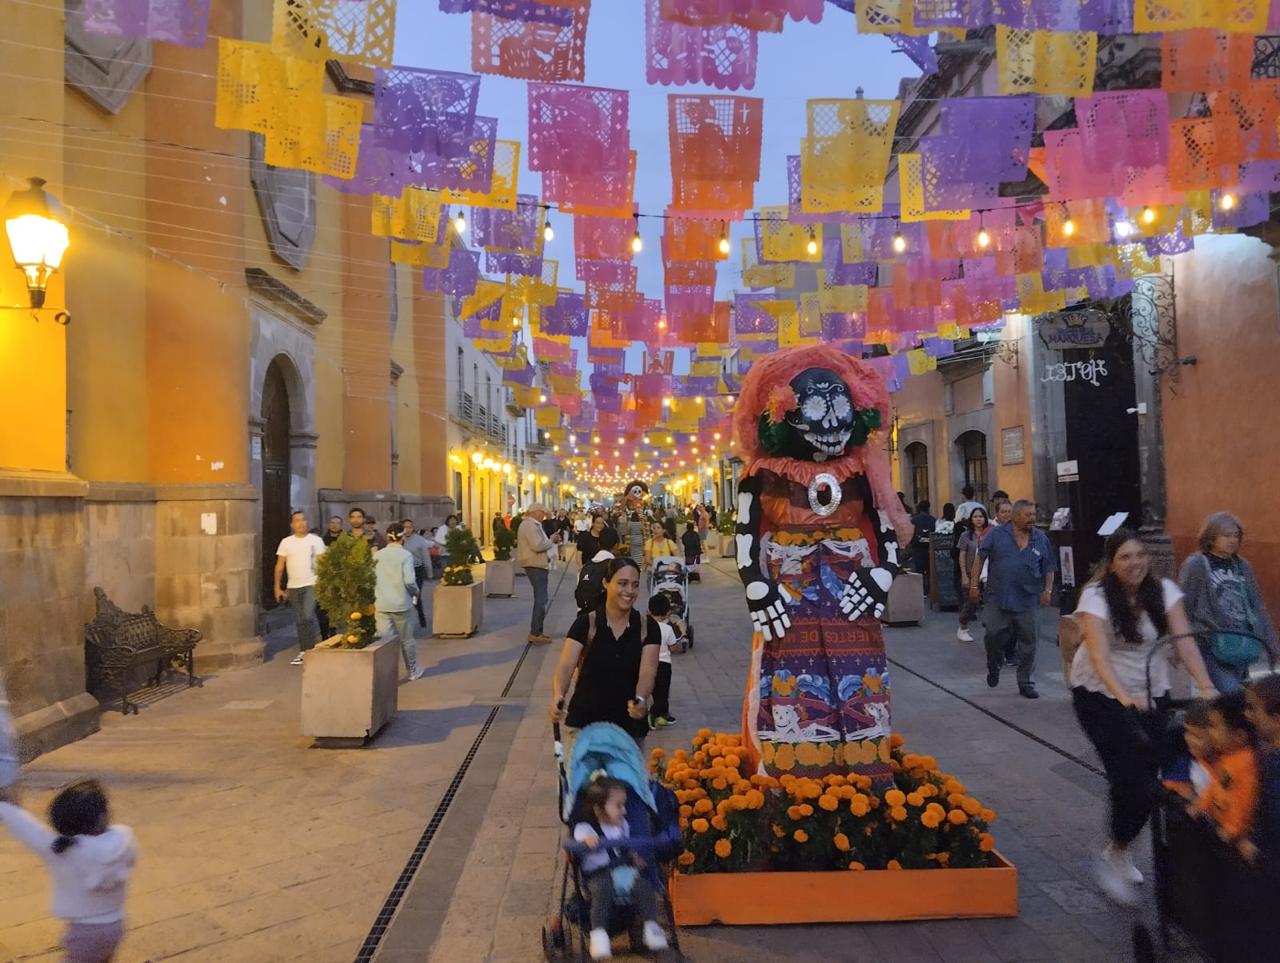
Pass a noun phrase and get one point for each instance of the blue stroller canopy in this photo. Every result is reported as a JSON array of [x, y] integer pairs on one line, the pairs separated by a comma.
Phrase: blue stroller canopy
[[604, 746]]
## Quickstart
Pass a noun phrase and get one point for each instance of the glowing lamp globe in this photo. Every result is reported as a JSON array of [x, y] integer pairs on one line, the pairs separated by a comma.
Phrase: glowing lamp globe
[[37, 236]]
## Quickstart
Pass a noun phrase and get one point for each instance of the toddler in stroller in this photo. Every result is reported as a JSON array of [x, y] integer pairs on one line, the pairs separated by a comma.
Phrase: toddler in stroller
[[624, 827]]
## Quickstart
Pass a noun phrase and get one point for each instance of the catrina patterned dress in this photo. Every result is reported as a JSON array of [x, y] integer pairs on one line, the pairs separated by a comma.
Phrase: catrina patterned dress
[[817, 699]]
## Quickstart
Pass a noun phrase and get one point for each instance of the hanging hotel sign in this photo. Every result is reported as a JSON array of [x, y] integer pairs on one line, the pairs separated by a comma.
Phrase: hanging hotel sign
[[1073, 330]]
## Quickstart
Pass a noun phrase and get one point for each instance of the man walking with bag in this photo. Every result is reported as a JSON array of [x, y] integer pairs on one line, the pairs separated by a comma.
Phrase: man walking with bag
[[533, 548], [1020, 566]]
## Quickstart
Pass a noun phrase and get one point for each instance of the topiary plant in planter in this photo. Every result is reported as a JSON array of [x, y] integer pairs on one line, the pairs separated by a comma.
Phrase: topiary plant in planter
[[460, 547], [345, 583], [504, 540]]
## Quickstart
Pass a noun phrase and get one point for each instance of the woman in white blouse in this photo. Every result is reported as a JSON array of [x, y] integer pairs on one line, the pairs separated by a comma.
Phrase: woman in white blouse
[[1123, 615]]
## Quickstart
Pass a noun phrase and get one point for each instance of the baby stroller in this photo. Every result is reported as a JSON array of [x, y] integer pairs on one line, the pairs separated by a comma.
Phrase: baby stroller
[[653, 815], [1221, 906], [670, 577]]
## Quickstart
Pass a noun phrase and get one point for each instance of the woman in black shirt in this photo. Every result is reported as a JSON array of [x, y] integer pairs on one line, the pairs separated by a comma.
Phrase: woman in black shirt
[[611, 659]]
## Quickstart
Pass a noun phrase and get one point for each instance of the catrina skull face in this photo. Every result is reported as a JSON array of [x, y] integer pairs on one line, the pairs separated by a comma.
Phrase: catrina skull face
[[822, 425], [635, 493]]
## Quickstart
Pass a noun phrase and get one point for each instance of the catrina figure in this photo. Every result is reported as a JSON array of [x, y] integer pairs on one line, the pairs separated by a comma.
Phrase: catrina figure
[[634, 494], [818, 536]]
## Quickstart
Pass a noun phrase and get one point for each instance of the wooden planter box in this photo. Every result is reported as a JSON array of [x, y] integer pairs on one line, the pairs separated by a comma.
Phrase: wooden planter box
[[742, 899], [349, 694], [728, 546], [500, 578], [456, 610]]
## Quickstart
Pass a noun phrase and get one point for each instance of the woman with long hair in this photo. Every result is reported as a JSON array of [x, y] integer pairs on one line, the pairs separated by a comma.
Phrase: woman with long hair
[[610, 659], [977, 527], [1120, 690], [1222, 599]]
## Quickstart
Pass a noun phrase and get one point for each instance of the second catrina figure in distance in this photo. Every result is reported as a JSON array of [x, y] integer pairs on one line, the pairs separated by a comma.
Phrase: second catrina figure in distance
[[818, 536]]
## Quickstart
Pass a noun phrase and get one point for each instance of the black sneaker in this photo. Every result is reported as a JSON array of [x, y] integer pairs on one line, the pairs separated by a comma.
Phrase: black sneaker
[[993, 676], [1011, 660], [1028, 692]]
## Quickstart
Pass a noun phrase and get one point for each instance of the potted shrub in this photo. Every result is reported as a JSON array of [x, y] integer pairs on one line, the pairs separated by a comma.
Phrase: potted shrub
[[350, 680], [458, 602], [728, 544], [500, 574]]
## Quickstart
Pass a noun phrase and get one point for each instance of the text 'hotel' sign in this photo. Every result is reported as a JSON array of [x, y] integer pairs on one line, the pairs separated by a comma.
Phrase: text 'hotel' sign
[[1074, 330]]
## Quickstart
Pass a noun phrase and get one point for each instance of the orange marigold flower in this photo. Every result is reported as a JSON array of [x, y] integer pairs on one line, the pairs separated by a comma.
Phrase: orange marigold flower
[[895, 797], [806, 809], [988, 815], [719, 823], [930, 819], [700, 825], [741, 787], [703, 806], [842, 842], [732, 760], [723, 848], [971, 806], [777, 831], [915, 799], [893, 864], [957, 817], [800, 836], [859, 806], [686, 811], [986, 842], [898, 813], [718, 784], [657, 754], [935, 808], [955, 799], [704, 733], [686, 858], [755, 799], [793, 812], [896, 741], [856, 866], [943, 858], [829, 803]]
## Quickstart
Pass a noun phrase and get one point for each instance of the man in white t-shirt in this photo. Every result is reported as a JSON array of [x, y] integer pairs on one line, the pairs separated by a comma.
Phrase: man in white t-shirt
[[967, 506], [297, 556]]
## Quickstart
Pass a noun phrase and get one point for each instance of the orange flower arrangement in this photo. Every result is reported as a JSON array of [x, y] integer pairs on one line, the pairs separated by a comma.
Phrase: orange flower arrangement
[[735, 820]]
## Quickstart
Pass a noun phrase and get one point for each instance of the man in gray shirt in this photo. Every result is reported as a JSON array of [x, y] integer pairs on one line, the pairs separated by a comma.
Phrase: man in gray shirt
[[416, 545], [1020, 566]]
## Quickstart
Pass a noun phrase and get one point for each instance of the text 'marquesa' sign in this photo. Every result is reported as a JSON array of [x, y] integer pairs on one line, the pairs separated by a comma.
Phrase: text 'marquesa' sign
[[1074, 330]]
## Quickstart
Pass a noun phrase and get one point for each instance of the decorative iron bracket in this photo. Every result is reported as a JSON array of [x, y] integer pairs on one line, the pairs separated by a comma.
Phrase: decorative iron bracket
[[1148, 320]]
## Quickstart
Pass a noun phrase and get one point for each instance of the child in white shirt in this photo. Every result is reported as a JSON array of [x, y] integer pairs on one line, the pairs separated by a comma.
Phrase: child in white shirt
[[90, 861], [609, 874], [660, 612]]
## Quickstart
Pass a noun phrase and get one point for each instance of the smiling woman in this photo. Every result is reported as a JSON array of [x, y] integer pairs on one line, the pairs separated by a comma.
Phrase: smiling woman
[[610, 659]]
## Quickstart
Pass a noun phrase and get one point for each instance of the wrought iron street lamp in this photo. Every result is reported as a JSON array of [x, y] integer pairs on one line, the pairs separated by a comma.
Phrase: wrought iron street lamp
[[33, 220]]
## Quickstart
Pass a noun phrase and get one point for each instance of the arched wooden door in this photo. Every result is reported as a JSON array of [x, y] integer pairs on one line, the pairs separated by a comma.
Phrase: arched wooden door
[[275, 473]]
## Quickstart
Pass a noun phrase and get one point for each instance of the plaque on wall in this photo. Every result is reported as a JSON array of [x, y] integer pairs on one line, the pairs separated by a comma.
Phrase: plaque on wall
[[1012, 446], [287, 200], [105, 69]]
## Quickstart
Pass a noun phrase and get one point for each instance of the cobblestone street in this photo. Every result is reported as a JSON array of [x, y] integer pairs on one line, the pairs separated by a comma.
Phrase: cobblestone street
[[255, 846]]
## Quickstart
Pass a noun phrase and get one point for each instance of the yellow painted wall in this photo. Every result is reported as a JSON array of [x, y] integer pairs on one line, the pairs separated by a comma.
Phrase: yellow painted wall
[[1012, 387], [919, 402], [407, 395], [32, 353], [105, 166]]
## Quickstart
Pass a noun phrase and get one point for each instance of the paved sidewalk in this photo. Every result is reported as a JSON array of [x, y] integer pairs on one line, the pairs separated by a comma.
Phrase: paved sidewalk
[[253, 845], [1052, 810]]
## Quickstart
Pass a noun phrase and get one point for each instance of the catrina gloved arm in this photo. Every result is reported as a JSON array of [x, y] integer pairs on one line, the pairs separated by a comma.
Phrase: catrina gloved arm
[[867, 589], [766, 600]]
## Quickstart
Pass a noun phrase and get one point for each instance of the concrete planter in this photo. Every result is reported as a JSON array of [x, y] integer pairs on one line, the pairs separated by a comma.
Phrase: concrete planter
[[349, 694], [456, 610], [500, 578], [728, 546]]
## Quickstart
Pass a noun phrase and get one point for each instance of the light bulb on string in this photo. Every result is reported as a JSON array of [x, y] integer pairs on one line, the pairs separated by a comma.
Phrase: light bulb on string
[[460, 223], [899, 242], [1148, 215], [1068, 227], [812, 246], [1227, 201], [637, 243], [1123, 229], [984, 239], [547, 233], [724, 239]]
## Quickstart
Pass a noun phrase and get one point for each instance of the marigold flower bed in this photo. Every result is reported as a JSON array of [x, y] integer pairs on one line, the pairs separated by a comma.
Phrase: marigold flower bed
[[770, 832]]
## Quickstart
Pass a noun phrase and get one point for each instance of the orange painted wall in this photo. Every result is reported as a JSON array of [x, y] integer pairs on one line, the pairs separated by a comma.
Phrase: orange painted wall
[[1012, 409], [32, 352], [366, 352], [430, 356], [105, 164], [1220, 429], [197, 320]]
